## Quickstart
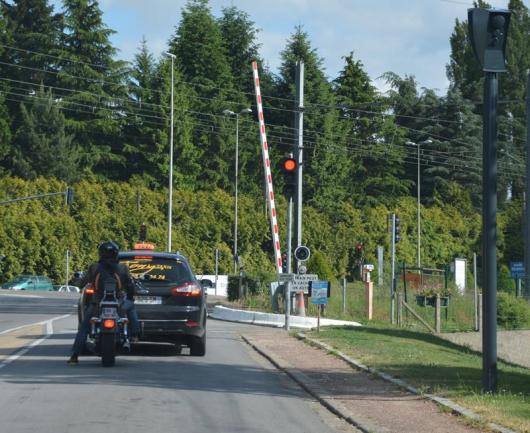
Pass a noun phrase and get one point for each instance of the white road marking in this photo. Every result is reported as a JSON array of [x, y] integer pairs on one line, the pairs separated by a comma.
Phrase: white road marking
[[12, 295], [36, 323], [24, 350]]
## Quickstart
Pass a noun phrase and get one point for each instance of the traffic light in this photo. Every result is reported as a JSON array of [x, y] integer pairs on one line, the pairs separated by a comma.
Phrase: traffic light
[[289, 167], [488, 29], [143, 232], [69, 195], [397, 230]]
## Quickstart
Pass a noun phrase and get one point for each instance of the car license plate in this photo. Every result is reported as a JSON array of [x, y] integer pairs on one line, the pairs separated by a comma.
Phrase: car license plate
[[109, 312], [148, 300]]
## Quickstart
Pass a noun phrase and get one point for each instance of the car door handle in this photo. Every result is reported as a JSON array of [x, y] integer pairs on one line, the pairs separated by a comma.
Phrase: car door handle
[[142, 292]]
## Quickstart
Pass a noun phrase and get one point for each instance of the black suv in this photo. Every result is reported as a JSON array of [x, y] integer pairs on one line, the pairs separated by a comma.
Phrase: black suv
[[172, 308], [171, 305]]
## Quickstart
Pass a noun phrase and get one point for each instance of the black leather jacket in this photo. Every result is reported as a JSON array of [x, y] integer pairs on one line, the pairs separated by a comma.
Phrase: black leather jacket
[[127, 284]]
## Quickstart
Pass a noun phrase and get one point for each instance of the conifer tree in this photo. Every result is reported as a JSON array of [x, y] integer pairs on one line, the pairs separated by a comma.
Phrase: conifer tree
[[41, 147], [376, 163], [202, 61], [96, 87]]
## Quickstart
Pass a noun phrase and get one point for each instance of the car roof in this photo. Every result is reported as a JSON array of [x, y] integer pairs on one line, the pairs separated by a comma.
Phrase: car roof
[[155, 254]]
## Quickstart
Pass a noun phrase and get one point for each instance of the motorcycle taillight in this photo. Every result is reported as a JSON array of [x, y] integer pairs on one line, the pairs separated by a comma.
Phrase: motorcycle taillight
[[109, 323]]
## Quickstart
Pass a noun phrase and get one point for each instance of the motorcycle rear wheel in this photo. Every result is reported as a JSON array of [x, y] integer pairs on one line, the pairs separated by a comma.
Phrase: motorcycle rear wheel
[[108, 350]]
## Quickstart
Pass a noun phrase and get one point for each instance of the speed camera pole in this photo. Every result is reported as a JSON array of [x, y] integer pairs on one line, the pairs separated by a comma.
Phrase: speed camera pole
[[488, 30]]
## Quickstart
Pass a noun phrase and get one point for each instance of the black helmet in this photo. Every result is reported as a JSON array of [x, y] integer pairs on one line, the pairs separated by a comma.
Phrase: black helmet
[[108, 250]]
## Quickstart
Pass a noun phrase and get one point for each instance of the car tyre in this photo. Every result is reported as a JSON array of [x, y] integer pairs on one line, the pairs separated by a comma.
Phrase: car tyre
[[198, 346]]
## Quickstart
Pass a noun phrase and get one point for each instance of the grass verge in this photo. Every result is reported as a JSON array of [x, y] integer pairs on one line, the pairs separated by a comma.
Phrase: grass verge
[[439, 367]]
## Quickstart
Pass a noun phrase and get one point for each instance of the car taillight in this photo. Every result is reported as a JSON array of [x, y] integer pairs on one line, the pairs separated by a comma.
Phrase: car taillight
[[192, 324], [187, 289], [89, 291], [109, 323]]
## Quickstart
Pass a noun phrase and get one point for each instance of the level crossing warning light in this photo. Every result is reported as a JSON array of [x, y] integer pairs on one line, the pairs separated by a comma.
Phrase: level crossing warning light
[[289, 167]]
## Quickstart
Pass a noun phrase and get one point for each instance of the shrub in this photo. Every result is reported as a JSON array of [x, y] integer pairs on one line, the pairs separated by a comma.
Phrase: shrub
[[505, 283], [512, 312]]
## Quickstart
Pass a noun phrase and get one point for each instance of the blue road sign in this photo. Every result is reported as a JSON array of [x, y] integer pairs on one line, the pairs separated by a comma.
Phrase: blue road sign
[[517, 270], [319, 292]]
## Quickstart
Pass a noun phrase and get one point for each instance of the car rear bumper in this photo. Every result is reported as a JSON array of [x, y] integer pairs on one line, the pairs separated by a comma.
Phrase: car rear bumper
[[169, 330]]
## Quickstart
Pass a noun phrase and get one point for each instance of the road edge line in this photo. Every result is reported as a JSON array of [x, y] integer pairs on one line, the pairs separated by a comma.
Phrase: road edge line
[[312, 390], [42, 322], [26, 349], [446, 403]]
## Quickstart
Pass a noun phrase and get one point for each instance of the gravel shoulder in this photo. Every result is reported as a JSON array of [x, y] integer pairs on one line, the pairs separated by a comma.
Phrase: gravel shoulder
[[370, 403], [512, 346]]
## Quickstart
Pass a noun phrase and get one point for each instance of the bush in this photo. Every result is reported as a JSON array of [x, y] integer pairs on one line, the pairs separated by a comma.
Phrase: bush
[[512, 312], [505, 282], [320, 265], [253, 284]]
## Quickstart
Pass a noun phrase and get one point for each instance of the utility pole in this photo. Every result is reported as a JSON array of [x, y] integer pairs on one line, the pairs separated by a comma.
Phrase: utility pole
[[488, 32], [393, 268], [67, 267], [527, 201], [170, 199], [299, 152]]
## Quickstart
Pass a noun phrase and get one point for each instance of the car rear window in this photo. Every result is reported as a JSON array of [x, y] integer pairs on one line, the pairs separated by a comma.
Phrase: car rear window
[[158, 269]]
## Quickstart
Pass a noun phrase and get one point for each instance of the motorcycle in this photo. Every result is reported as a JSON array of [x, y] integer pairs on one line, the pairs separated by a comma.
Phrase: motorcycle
[[109, 330]]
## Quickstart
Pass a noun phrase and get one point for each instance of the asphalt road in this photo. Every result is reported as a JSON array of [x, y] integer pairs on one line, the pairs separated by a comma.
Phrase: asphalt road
[[154, 389]]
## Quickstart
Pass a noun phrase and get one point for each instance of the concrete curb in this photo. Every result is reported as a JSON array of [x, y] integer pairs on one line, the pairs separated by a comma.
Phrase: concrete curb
[[455, 408], [314, 390], [269, 319]]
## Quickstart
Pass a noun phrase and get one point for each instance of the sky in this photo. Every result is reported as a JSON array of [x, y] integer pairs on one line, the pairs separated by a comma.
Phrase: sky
[[403, 36]]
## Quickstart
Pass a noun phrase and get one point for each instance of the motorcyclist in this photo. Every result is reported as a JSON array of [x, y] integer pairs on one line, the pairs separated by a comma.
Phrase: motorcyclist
[[107, 264]]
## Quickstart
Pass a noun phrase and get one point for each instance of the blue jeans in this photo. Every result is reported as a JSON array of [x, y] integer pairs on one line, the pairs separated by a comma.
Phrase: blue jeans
[[132, 315], [84, 329]]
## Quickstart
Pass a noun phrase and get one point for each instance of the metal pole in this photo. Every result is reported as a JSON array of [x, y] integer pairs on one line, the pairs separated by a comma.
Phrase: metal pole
[[393, 269], [475, 292], [216, 269], [344, 295], [289, 234], [32, 197], [236, 179], [299, 125], [418, 212], [170, 200], [287, 297], [489, 234], [380, 267], [67, 266], [527, 203]]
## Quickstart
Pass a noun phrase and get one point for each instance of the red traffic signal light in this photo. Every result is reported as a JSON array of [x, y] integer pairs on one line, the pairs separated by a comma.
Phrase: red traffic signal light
[[289, 164]]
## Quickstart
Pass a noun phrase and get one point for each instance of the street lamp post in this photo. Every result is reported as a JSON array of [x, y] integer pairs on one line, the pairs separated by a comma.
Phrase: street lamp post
[[236, 167], [170, 198], [418, 214]]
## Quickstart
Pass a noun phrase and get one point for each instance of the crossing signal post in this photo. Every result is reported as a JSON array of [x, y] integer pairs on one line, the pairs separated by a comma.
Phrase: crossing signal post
[[289, 167], [289, 170], [488, 32]]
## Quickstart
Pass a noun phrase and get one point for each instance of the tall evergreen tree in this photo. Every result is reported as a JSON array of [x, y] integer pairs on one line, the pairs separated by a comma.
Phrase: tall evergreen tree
[[239, 35], [96, 86], [377, 164], [41, 147], [201, 59], [325, 166], [31, 32]]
